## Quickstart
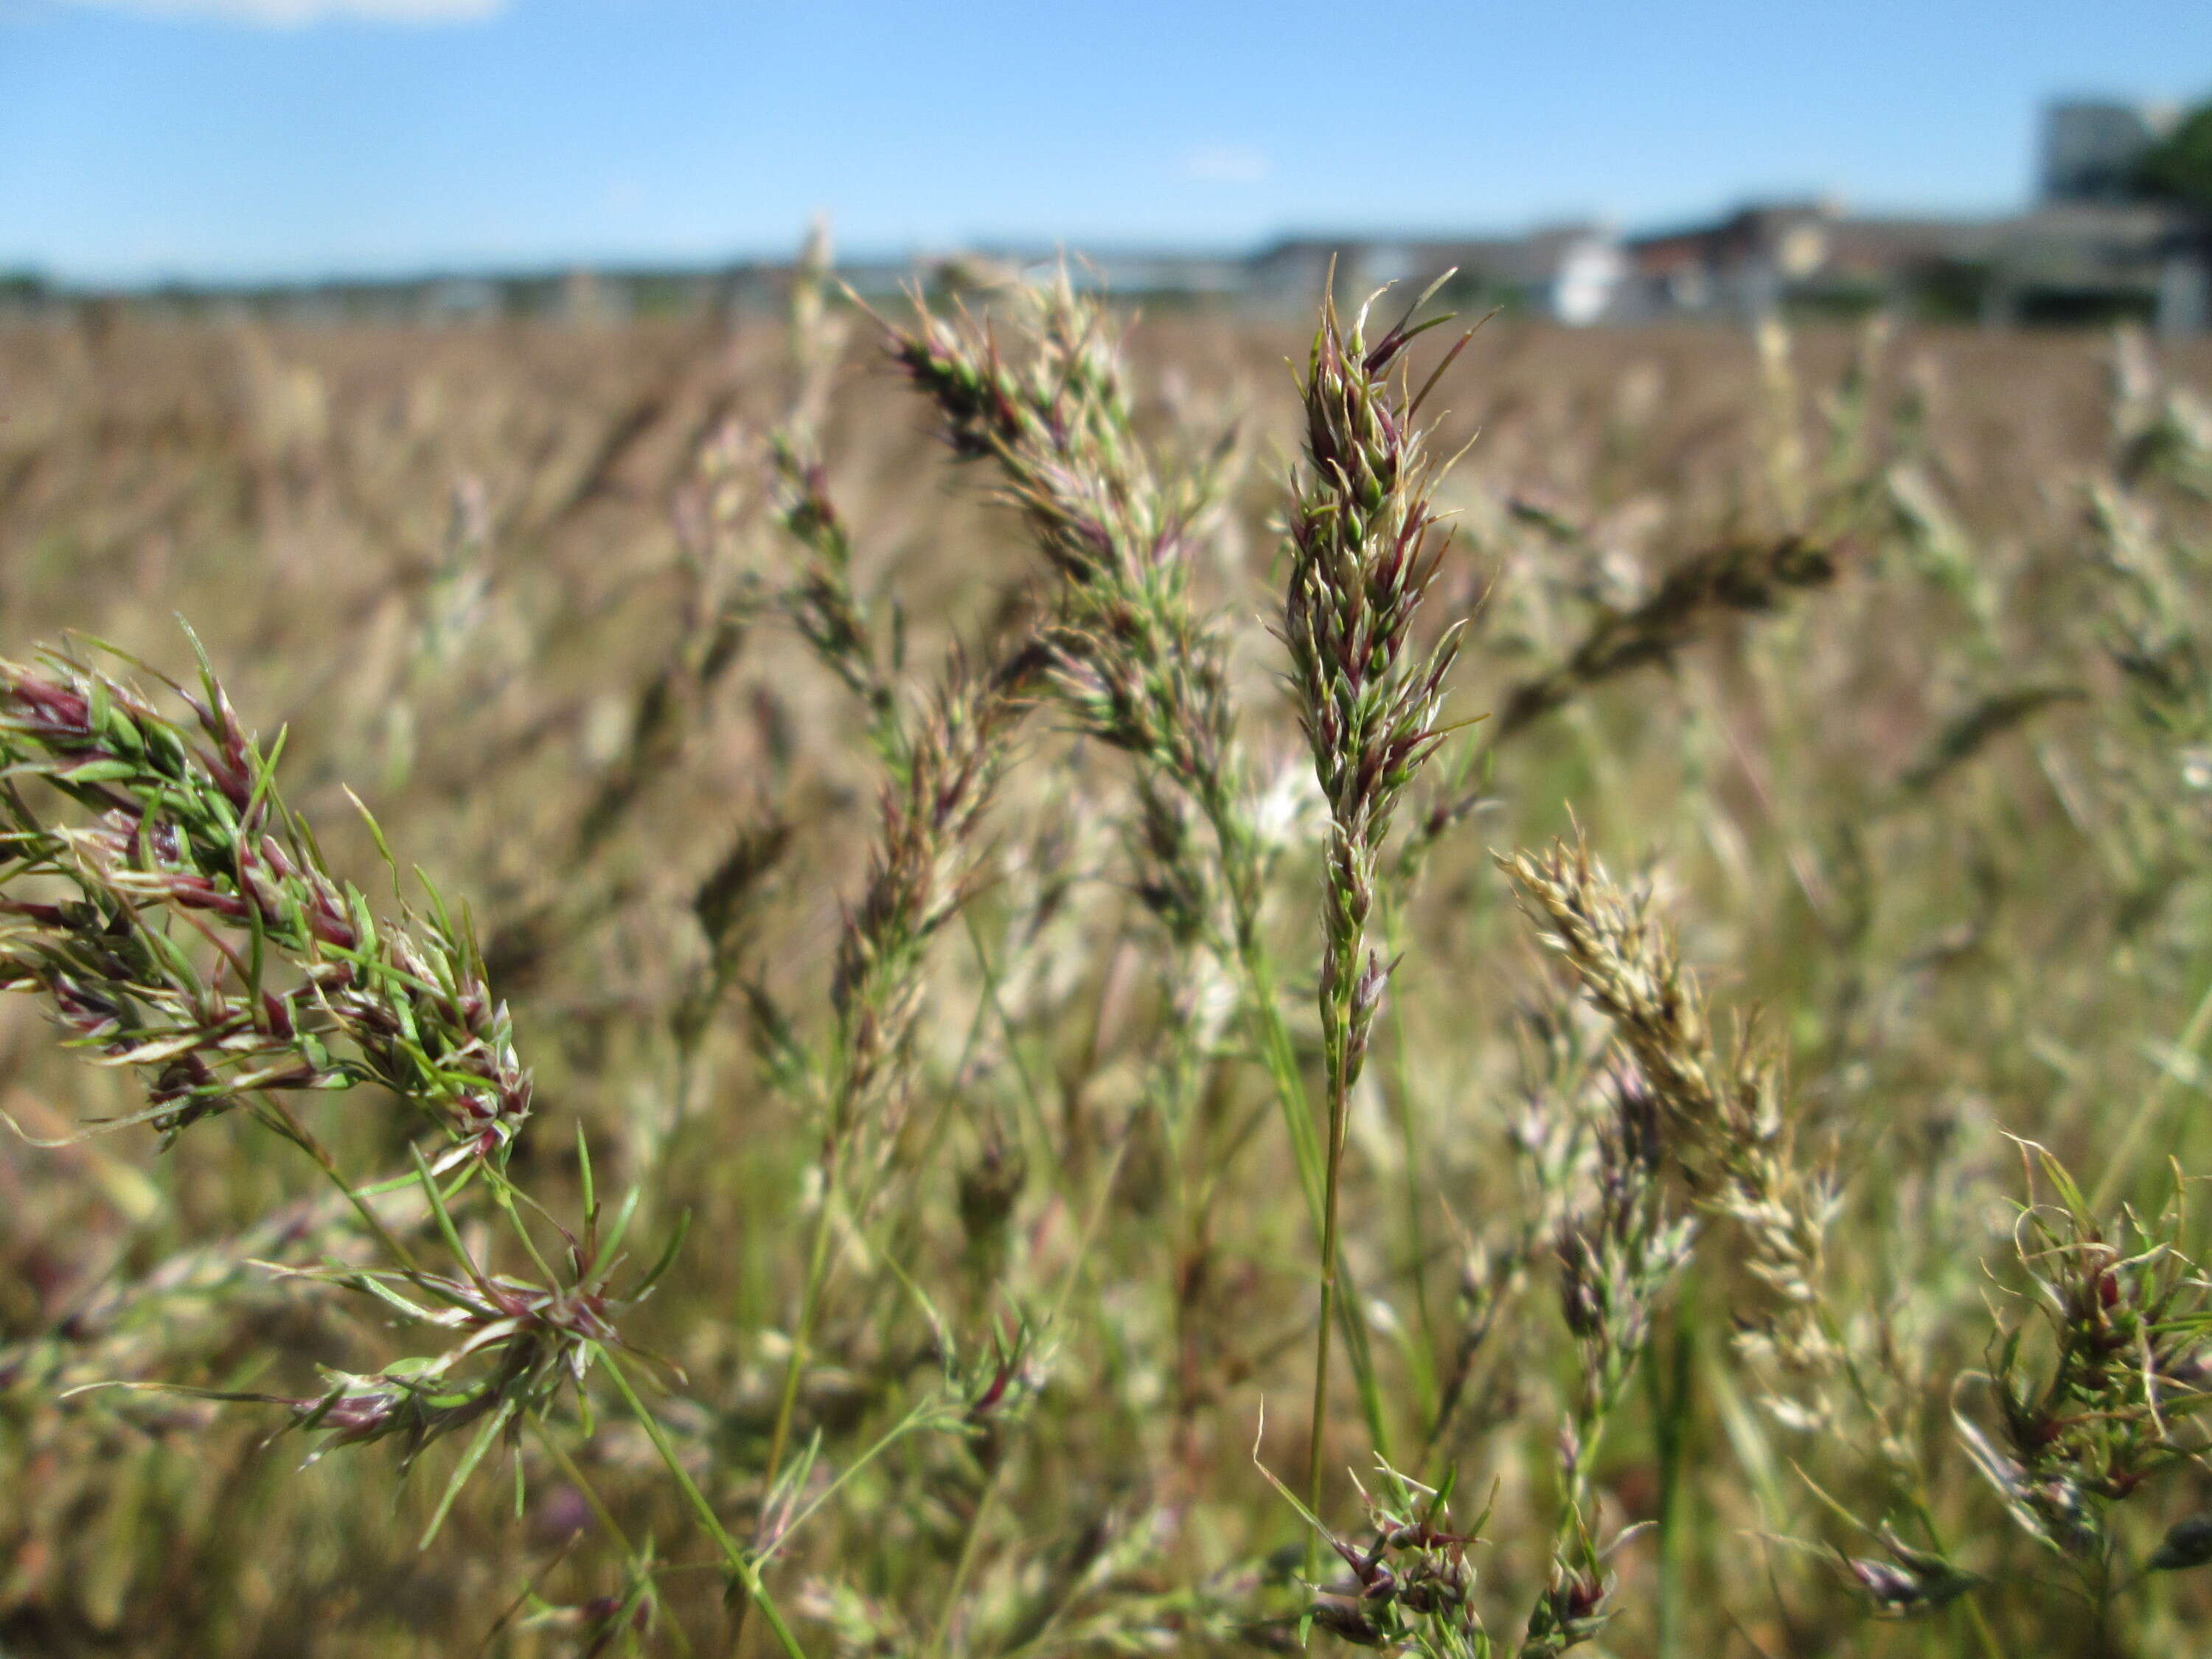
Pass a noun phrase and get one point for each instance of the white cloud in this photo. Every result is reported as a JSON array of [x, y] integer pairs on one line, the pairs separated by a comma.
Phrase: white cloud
[[289, 13], [1226, 164]]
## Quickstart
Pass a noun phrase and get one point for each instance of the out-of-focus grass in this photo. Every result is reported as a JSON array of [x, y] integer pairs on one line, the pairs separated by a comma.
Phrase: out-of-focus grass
[[1935, 820]]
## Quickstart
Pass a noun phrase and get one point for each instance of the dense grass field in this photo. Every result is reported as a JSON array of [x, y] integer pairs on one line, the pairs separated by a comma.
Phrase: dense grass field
[[1780, 1244]]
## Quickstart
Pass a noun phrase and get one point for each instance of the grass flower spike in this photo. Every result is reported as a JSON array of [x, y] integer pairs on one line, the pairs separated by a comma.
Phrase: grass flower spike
[[1364, 549]]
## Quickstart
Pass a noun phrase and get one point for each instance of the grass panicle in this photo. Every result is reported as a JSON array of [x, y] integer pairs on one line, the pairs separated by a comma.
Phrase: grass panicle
[[939, 1045]]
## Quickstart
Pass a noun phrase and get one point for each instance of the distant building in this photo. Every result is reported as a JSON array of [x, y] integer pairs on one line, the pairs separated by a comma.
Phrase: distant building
[[1585, 280], [2075, 261], [2087, 261], [2090, 146], [1160, 272], [1570, 273], [1804, 255], [1738, 265]]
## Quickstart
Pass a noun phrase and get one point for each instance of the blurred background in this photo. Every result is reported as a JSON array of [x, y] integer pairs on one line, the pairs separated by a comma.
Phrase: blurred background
[[1594, 162]]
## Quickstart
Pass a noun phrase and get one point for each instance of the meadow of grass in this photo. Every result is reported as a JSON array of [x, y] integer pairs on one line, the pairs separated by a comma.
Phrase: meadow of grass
[[968, 850]]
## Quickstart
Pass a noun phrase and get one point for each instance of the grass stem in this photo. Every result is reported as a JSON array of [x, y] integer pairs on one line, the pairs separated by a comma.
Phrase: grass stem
[[739, 1564]]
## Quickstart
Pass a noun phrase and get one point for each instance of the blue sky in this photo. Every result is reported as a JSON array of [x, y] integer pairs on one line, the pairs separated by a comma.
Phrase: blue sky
[[227, 138]]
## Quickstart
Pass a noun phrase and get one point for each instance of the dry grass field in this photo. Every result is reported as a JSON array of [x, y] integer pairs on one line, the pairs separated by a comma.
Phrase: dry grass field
[[924, 902]]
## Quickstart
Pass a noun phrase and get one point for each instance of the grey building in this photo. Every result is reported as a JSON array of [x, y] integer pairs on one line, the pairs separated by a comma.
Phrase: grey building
[[1814, 255], [2086, 260], [2074, 261], [1571, 273], [2090, 146]]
